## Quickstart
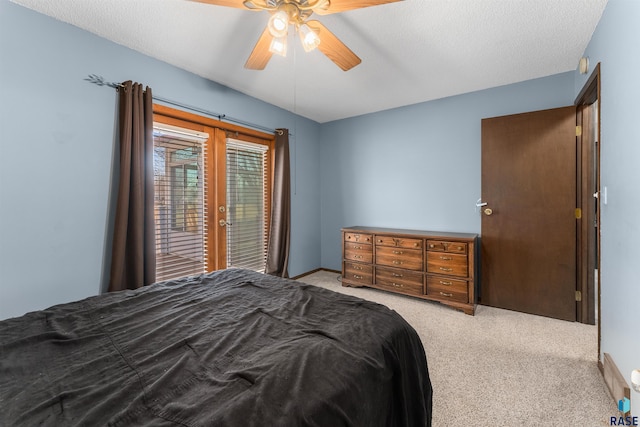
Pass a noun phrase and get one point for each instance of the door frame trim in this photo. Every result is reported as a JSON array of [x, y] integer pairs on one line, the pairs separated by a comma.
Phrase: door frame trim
[[590, 93]]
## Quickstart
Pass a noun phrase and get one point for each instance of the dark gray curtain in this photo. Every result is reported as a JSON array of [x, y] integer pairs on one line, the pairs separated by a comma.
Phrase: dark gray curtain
[[278, 247], [133, 255]]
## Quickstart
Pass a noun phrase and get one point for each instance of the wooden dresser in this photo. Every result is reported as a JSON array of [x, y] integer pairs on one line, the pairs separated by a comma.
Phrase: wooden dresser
[[432, 265]]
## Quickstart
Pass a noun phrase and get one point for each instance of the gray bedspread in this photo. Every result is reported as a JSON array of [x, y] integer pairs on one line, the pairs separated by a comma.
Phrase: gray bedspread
[[228, 348]]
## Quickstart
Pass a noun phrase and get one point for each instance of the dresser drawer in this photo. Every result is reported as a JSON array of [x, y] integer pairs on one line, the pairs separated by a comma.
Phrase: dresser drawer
[[363, 247], [359, 273], [444, 246], [410, 259], [399, 242], [358, 252], [447, 289], [358, 238], [447, 263], [399, 281]]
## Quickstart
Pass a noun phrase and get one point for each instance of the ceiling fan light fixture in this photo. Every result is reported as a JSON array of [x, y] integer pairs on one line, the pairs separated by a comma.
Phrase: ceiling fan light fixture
[[309, 38], [279, 24], [278, 46], [313, 34]]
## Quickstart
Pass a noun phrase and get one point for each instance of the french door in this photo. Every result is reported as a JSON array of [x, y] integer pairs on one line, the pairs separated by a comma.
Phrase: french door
[[212, 194]]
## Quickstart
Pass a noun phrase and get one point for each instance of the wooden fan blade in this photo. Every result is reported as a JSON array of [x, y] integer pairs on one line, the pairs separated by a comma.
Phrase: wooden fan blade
[[228, 3], [336, 6], [331, 46], [261, 54]]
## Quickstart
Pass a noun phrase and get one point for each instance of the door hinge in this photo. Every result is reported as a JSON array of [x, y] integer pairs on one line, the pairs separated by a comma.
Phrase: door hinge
[[578, 213], [578, 130], [578, 296]]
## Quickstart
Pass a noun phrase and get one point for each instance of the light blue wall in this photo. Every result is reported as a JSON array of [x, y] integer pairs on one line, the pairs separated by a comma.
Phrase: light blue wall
[[616, 44], [56, 149], [417, 167]]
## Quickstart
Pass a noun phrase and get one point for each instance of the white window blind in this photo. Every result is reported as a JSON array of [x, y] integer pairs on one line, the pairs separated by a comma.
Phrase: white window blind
[[247, 187], [180, 201]]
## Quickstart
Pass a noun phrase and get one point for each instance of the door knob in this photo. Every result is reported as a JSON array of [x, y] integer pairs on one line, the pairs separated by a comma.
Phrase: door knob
[[488, 211]]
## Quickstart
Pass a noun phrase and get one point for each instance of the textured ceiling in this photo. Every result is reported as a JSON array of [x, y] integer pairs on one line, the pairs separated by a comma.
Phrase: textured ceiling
[[412, 51]]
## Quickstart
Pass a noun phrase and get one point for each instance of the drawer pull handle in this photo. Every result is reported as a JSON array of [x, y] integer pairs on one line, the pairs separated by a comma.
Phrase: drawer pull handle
[[355, 276], [396, 275], [357, 247], [356, 267], [357, 256], [396, 262], [444, 294], [446, 258], [432, 246], [446, 269], [379, 240], [398, 252], [397, 285], [446, 283]]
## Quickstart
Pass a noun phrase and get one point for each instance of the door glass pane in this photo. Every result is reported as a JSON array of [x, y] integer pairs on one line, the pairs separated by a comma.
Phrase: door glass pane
[[180, 203], [246, 204]]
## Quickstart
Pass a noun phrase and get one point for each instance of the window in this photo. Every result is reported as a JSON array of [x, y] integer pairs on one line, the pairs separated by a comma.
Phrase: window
[[180, 201]]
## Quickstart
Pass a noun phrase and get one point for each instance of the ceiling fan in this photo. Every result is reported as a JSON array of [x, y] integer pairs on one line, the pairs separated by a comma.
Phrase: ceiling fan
[[312, 33]]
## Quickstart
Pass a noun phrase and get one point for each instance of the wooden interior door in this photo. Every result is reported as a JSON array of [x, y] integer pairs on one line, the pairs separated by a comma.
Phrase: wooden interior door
[[529, 221]]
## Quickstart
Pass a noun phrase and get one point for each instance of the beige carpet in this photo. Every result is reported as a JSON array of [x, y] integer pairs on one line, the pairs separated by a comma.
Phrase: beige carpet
[[499, 367]]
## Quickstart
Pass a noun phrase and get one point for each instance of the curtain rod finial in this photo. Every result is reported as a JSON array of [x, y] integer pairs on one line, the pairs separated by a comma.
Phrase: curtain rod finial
[[100, 81]]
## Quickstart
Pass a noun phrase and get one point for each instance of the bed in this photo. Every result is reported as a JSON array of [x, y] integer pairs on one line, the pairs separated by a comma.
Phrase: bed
[[228, 348]]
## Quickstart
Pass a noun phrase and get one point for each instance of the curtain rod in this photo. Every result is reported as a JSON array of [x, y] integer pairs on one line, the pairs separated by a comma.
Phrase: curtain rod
[[100, 81]]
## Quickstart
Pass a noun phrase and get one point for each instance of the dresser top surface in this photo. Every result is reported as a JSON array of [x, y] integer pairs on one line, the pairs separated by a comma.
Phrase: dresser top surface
[[417, 233]]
